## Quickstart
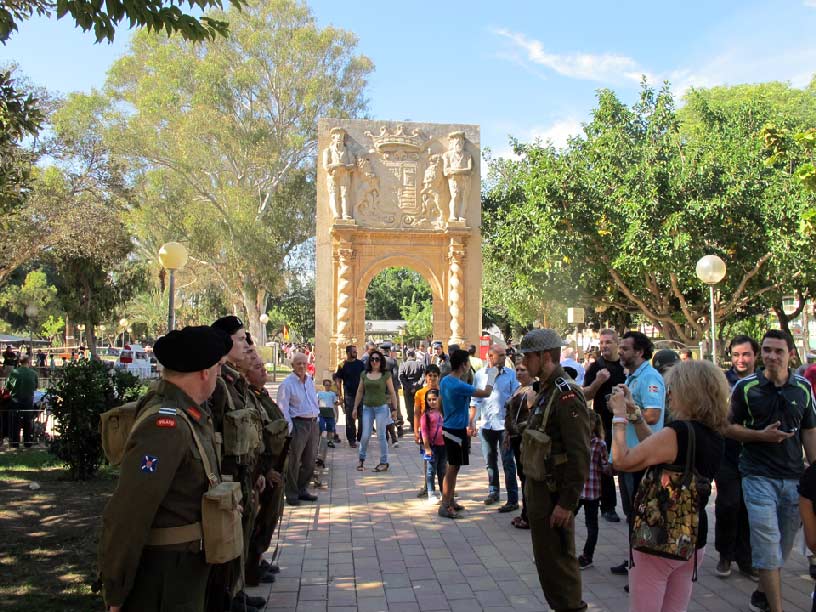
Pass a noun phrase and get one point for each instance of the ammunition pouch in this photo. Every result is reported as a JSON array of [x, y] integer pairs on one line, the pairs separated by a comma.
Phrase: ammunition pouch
[[240, 433], [536, 447], [535, 454], [221, 522], [274, 436]]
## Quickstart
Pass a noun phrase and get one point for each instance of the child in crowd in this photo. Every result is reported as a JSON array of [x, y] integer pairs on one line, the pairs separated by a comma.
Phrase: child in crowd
[[591, 495], [326, 402], [435, 455]]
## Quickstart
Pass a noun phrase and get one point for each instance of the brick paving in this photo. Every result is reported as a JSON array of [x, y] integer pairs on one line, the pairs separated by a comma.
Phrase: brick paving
[[369, 544]]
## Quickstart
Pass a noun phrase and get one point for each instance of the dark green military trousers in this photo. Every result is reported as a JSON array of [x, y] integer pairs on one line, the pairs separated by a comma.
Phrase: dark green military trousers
[[554, 550], [169, 581]]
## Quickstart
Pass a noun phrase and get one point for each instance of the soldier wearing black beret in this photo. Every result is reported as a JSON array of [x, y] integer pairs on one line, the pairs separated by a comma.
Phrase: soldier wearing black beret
[[231, 395], [162, 481]]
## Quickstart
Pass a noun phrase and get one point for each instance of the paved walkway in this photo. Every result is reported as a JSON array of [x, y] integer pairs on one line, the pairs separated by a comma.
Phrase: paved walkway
[[368, 544]]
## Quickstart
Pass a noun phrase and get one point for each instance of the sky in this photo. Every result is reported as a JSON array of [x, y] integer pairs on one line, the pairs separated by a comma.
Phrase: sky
[[527, 69]]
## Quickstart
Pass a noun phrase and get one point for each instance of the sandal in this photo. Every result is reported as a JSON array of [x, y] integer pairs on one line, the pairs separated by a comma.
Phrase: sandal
[[360, 467], [457, 507], [447, 512], [520, 523], [382, 467]]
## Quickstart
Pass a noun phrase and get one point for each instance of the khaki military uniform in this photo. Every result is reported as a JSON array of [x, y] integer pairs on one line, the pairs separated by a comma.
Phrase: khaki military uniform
[[271, 499], [568, 426], [231, 395], [161, 483]]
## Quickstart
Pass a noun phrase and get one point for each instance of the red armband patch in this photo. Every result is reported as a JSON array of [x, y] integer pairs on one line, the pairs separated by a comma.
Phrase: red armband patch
[[568, 396], [165, 422]]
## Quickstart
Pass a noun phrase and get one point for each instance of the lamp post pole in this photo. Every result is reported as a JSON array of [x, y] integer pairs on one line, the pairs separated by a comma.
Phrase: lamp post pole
[[173, 256], [711, 270]]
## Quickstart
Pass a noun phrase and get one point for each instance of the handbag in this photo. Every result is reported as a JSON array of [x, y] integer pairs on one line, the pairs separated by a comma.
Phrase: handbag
[[666, 508]]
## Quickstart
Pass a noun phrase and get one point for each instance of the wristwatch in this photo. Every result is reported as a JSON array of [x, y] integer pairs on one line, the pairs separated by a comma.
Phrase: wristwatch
[[634, 416]]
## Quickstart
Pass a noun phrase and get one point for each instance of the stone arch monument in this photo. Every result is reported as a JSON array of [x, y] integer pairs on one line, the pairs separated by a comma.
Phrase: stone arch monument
[[396, 194]]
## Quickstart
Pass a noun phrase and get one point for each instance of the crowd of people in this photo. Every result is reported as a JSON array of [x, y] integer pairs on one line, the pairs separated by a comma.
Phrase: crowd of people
[[667, 427]]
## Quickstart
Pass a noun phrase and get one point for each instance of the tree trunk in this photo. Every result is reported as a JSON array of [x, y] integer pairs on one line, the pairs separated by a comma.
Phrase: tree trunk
[[91, 338], [254, 301]]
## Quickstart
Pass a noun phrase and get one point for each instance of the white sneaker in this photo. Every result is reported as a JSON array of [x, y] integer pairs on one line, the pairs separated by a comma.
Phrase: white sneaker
[[433, 499], [395, 445]]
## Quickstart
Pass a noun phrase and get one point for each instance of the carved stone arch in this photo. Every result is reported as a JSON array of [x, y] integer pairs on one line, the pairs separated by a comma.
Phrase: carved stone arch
[[417, 264], [401, 215]]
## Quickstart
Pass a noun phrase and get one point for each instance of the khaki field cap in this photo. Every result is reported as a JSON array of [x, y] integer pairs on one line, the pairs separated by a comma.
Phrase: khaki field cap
[[540, 340]]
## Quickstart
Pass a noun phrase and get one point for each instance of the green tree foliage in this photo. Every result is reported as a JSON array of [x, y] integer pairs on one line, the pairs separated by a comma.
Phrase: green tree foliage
[[20, 117], [418, 316], [34, 291], [394, 289], [618, 218], [295, 309], [84, 391], [104, 18], [52, 328], [223, 139]]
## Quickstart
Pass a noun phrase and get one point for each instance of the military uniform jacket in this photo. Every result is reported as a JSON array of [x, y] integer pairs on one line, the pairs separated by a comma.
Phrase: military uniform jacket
[[161, 483], [269, 459], [568, 426]]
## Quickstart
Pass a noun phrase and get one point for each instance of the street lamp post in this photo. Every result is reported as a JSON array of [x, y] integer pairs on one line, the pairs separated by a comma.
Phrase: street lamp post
[[264, 318], [123, 323], [173, 256], [32, 310], [711, 270]]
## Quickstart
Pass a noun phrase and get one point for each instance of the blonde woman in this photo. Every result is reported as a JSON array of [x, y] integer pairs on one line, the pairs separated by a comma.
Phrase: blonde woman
[[698, 394]]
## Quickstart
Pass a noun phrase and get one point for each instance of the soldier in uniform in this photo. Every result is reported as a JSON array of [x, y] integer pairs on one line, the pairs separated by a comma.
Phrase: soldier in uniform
[[552, 502], [232, 395], [271, 465], [161, 483]]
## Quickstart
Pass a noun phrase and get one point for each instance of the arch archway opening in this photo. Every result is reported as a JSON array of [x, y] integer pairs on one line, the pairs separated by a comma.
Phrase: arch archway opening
[[399, 306]]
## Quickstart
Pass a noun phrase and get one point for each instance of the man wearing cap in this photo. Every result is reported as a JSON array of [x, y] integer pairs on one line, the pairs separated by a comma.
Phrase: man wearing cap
[[297, 400], [552, 502], [162, 480], [231, 394]]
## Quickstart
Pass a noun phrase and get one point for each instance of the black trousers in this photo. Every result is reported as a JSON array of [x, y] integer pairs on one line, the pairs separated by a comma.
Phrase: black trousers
[[515, 442], [732, 535], [590, 507], [351, 426], [609, 498], [22, 415], [409, 406]]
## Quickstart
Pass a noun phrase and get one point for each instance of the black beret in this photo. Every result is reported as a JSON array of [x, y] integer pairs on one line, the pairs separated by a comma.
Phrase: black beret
[[192, 349], [229, 324]]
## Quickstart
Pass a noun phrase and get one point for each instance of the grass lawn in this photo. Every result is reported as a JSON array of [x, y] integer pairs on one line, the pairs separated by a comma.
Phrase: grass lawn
[[48, 555]]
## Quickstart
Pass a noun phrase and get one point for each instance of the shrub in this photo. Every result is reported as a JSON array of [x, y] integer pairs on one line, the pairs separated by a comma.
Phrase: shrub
[[85, 390]]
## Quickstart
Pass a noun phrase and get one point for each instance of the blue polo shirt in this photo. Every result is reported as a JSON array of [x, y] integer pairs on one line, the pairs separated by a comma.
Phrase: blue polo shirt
[[455, 395], [648, 391]]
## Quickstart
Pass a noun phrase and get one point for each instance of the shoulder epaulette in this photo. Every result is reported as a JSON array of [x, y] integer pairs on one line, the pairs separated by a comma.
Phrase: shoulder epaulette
[[563, 385]]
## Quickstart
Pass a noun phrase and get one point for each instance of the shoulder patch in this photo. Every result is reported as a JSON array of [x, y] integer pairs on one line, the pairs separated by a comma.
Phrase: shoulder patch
[[165, 422], [194, 412], [149, 464], [568, 396], [562, 385], [228, 378], [653, 388], [170, 411]]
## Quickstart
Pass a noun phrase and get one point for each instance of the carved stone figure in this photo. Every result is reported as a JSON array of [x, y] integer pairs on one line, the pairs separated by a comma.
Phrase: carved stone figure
[[457, 166], [338, 162], [367, 197], [432, 183]]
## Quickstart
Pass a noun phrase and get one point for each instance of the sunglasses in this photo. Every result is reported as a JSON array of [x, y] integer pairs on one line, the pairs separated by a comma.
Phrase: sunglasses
[[375, 359]]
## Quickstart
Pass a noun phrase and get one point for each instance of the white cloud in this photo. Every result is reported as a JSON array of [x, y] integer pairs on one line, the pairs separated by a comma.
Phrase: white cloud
[[809, 3], [586, 66], [555, 133]]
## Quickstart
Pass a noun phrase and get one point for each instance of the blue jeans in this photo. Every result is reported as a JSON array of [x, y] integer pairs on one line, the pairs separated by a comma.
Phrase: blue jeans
[[491, 444], [380, 414], [773, 516], [436, 467]]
